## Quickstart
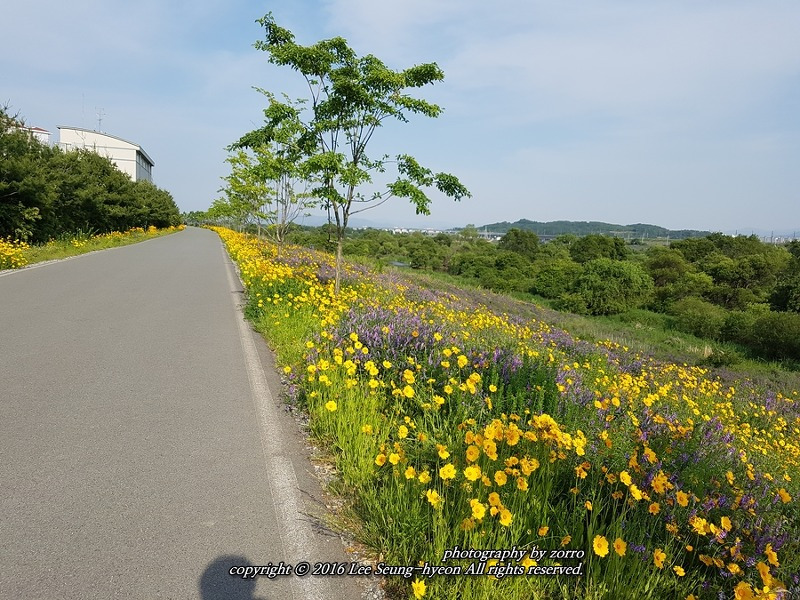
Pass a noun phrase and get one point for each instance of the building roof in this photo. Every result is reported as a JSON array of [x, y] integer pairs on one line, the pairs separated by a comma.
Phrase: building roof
[[137, 146]]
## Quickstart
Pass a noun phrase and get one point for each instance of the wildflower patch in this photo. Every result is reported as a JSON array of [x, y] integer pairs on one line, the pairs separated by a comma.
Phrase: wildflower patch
[[455, 427]]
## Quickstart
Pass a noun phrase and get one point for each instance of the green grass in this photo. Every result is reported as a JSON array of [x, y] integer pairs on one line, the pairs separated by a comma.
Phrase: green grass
[[643, 331], [82, 243]]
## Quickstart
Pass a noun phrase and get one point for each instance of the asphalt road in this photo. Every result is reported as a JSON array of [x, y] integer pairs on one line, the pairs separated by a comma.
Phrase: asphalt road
[[143, 451]]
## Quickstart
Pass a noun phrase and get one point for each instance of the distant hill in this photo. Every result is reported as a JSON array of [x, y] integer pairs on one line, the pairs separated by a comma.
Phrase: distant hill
[[638, 230]]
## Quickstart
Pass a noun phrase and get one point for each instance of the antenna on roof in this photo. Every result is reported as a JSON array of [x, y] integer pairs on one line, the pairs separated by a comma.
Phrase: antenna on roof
[[100, 115]]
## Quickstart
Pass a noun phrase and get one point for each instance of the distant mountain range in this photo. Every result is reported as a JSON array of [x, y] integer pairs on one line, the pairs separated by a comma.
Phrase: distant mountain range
[[637, 230]]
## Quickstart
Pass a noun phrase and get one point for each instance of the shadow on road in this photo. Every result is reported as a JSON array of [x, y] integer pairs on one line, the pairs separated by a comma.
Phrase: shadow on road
[[217, 583]]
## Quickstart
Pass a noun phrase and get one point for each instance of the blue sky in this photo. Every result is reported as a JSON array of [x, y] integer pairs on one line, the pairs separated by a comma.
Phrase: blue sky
[[680, 113]]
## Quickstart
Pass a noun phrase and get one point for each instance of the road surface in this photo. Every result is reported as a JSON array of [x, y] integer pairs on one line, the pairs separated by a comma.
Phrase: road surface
[[143, 450]]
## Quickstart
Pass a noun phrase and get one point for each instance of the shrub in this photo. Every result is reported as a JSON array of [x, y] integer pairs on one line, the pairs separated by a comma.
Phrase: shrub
[[777, 335], [698, 317], [555, 278], [609, 287]]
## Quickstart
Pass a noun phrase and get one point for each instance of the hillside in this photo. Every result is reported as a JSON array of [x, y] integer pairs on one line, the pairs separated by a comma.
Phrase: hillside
[[637, 230]]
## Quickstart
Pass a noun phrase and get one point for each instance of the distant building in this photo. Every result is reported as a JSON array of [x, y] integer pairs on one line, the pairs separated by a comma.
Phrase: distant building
[[129, 158], [42, 135]]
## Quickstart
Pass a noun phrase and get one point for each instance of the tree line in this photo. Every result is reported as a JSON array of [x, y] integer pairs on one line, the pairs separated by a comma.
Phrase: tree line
[[46, 192]]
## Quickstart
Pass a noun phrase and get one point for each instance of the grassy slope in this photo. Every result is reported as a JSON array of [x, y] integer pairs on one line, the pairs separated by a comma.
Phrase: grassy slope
[[645, 332]]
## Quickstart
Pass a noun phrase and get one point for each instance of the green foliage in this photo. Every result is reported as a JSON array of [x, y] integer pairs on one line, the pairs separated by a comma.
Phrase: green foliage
[[591, 247], [350, 98], [674, 277], [607, 287], [555, 278], [525, 243], [777, 335], [698, 317]]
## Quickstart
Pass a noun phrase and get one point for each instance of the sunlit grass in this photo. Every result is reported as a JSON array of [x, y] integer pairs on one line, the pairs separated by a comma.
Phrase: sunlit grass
[[81, 243]]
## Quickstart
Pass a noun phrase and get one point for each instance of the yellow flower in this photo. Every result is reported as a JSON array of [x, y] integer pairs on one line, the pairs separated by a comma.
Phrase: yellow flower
[[625, 477], [771, 556], [566, 540], [763, 570], [600, 545], [473, 453], [448, 471], [424, 477], [620, 547], [505, 515], [410, 473], [418, 587], [679, 571], [658, 558], [661, 483], [635, 491], [472, 472], [543, 530], [522, 484], [500, 477], [394, 458], [367, 429], [408, 391], [529, 465], [588, 505], [785, 497], [654, 508], [380, 460], [743, 591], [726, 523], [478, 509], [443, 453], [682, 498], [330, 405], [494, 499], [434, 498]]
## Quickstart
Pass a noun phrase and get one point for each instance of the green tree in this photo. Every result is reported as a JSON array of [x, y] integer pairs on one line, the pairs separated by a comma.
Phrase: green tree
[[698, 317], [591, 247], [246, 188], [26, 189], [607, 287], [350, 98], [158, 206], [555, 277], [273, 173], [525, 243], [674, 277]]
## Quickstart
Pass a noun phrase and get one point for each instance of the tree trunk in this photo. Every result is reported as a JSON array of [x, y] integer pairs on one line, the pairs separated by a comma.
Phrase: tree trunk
[[338, 266]]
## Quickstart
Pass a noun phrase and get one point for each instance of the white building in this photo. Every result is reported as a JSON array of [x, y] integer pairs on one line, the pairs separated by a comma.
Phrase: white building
[[129, 158], [39, 134]]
